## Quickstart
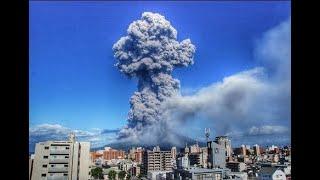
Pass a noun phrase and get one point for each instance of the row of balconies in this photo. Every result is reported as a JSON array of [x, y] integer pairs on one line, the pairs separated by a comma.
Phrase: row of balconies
[[57, 169], [58, 160], [59, 151]]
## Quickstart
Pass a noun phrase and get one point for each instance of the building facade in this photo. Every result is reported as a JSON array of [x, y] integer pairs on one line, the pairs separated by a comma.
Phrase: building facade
[[156, 160], [61, 160], [198, 173], [271, 173], [216, 155], [109, 154], [256, 150], [236, 166], [226, 143]]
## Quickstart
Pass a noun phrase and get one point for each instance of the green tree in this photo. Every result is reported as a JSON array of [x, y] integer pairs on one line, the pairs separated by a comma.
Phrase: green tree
[[122, 175], [97, 173], [112, 174]]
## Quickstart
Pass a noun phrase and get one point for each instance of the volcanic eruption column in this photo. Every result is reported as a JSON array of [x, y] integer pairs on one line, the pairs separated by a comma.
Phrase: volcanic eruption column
[[150, 52]]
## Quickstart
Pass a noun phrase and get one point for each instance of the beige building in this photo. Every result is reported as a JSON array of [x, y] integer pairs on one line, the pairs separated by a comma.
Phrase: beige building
[[156, 160], [61, 160]]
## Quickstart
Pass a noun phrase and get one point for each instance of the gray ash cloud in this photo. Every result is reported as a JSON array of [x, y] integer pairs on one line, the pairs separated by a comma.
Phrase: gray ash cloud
[[150, 52]]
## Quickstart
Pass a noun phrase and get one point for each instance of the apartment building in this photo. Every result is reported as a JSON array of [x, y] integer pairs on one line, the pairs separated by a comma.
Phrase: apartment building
[[61, 160], [156, 160]]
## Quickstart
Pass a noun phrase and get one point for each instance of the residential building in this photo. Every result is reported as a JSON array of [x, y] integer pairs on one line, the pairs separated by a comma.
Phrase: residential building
[[157, 175], [96, 155], [238, 176], [31, 159], [226, 143], [271, 173], [195, 159], [243, 150], [183, 162], [204, 157], [194, 149], [236, 166], [63, 160], [186, 149], [156, 160], [216, 155], [174, 152], [256, 150], [138, 155], [198, 173], [109, 154]]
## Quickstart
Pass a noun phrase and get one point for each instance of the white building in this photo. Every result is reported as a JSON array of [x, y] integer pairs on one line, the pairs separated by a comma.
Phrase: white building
[[61, 160], [157, 175], [31, 158], [238, 176], [183, 162], [271, 173]]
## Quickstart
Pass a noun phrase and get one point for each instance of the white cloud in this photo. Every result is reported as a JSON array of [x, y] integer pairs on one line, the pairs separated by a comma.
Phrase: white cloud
[[252, 98], [267, 129], [43, 132]]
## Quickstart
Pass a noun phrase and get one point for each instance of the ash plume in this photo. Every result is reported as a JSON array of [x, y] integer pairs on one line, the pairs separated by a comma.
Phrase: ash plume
[[150, 52]]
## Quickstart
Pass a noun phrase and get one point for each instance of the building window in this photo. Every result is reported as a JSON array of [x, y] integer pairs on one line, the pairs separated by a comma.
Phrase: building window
[[66, 157], [52, 165], [66, 165], [46, 147], [43, 175], [67, 147], [45, 157], [44, 165], [65, 174]]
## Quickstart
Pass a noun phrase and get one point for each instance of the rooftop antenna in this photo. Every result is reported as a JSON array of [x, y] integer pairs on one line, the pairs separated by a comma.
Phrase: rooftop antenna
[[207, 133]]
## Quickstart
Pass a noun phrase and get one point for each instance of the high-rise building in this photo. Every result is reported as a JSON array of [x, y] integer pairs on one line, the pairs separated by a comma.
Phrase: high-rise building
[[194, 149], [183, 162], [156, 160], [204, 157], [216, 155], [96, 155], [174, 152], [135, 154], [138, 155], [63, 160], [195, 159], [109, 154], [256, 150], [157, 148], [132, 153], [186, 149], [243, 150], [31, 158], [226, 143]]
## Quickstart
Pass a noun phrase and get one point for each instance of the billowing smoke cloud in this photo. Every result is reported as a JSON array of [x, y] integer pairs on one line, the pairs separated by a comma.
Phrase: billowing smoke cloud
[[257, 99], [150, 52], [252, 102]]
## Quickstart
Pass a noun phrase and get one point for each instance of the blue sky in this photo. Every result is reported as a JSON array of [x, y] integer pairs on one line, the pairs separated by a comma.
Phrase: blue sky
[[73, 81]]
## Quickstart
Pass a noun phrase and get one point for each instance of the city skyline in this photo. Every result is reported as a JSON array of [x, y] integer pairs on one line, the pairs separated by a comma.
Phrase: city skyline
[[74, 85]]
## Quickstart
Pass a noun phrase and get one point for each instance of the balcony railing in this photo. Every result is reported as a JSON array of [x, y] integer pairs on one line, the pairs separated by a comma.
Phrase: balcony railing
[[59, 151], [57, 169], [58, 160]]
